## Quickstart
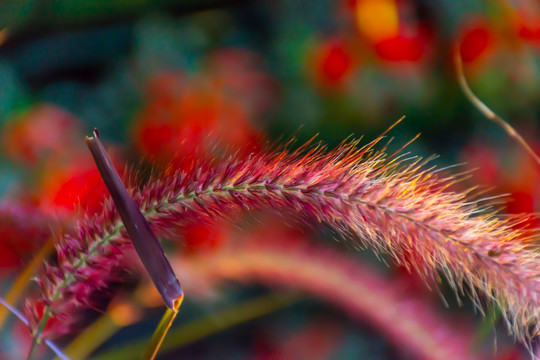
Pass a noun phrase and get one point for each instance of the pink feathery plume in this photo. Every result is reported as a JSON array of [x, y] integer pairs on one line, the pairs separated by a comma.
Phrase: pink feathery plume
[[387, 203], [276, 257]]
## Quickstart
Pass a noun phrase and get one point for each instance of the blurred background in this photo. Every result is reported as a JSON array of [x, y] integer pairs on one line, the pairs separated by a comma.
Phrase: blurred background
[[166, 82]]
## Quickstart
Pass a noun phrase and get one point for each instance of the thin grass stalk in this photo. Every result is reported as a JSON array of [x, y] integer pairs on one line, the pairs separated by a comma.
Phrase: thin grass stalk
[[161, 331], [486, 111]]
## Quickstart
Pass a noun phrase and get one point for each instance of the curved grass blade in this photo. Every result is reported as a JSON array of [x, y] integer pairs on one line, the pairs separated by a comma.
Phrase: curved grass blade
[[143, 238]]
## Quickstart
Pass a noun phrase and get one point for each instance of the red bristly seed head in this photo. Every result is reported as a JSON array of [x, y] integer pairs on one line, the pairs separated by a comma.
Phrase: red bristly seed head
[[392, 205]]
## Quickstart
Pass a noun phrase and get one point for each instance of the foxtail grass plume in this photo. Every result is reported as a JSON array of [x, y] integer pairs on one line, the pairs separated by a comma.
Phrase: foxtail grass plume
[[388, 203]]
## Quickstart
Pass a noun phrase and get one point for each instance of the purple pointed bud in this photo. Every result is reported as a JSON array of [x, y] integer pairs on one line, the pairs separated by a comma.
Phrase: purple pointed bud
[[145, 242]]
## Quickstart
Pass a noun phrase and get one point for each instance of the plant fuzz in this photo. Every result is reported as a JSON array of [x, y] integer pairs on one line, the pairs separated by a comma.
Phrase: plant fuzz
[[388, 203]]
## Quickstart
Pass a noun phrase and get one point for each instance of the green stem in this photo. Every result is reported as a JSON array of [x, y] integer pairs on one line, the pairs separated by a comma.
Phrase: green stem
[[36, 336], [161, 331]]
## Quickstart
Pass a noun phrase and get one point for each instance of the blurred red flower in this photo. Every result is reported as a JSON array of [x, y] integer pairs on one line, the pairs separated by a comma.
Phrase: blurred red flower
[[512, 172], [476, 41], [80, 185], [401, 48], [200, 122], [333, 64], [394, 35], [23, 230], [204, 116], [202, 236], [43, 131], [526, 25], [48, 140]]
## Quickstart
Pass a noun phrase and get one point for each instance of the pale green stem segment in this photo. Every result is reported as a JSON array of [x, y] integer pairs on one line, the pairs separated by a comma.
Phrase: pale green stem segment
[[36, 335], [161, 331]]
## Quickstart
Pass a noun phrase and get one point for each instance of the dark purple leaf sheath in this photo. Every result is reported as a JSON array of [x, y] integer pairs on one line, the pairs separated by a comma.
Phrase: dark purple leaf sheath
[[143, 238]]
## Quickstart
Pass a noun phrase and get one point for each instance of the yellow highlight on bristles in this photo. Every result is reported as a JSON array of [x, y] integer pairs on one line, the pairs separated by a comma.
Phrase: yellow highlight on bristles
[[377, 19]]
